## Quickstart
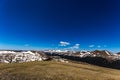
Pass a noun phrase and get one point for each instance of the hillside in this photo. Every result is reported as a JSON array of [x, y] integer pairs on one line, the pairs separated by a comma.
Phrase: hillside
[[51, 70]]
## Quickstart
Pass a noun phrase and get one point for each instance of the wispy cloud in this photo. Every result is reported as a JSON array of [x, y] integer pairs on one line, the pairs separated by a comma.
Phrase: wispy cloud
[[104, 45], [91, 46], [76, 46], [99, 46], [63, 43], [26, 45]]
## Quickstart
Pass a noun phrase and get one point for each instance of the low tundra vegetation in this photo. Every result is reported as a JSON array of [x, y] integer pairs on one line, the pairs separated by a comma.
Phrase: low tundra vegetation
[[52, 70]]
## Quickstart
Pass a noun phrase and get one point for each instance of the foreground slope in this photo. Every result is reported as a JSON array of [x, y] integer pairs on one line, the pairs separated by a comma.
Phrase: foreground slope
[[51, 70]]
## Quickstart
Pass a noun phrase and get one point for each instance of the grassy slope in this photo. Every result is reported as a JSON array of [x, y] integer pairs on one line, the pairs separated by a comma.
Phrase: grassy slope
[[50, 70]]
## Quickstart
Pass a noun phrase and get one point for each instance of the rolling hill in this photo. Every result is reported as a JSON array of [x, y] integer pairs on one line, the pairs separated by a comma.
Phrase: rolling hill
[[52, 70]]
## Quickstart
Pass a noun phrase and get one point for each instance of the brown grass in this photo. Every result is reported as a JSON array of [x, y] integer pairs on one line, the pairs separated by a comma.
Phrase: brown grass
[[50, 70]]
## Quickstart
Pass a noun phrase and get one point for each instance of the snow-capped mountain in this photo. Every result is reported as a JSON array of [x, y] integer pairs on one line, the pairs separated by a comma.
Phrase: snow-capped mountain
[[103, 53], [118, 53], [21, 56], [96, 53], [102, 58], [82, 53]]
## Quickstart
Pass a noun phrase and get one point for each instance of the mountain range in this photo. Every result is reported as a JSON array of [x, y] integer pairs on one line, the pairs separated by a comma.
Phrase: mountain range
[[97, 57]]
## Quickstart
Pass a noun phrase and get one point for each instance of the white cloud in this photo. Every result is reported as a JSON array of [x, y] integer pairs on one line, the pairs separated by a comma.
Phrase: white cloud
[[62, 43], [91, 46], [99, 46], [76, 46], [26, 45]]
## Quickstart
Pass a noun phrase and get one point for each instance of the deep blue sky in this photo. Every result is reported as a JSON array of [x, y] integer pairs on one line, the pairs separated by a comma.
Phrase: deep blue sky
[[40, 24]]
